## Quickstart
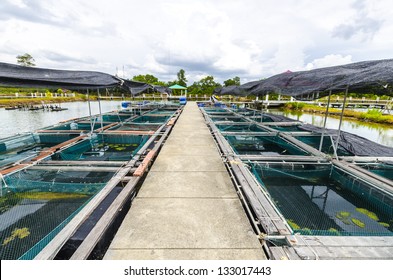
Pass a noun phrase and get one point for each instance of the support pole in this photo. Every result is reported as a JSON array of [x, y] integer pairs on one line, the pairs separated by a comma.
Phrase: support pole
[[99, 107], [91, 121], [341, 118], [324, 122], [262, 111]]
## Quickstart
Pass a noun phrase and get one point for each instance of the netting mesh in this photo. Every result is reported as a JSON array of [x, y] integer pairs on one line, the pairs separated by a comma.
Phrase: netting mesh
[[263, 145], [239, 128], [104, 147], [318, 199], [23, 147], [35, 205], [150, 119], [136, 127], [384, 170], [327, 144]]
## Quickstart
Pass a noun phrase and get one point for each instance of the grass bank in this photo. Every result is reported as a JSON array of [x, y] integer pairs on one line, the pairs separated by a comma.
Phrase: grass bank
[[372, 115]]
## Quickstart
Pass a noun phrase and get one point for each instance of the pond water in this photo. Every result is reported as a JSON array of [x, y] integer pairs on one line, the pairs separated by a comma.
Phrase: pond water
[[19, 121]]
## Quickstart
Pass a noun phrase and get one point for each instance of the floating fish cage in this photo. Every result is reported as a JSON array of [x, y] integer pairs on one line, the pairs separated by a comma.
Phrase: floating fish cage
[[228, 119], [84, 126], [115, 117], [36, 204], [150, 119], [322, 199], [263, 145], [135, 127], [287, 128], [104, 147], [240, 128], [264, 118], [382, 169], [327, 144], [18, 148]]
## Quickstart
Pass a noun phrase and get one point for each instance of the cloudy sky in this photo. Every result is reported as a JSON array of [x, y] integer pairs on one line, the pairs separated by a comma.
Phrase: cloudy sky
[[252, 39]]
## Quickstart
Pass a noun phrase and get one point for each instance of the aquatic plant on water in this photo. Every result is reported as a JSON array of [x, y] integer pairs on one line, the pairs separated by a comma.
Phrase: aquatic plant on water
[[17, 233], [344, 217], [358, 222], [49, 195], [386, 225], [293, 225], [368, 213]]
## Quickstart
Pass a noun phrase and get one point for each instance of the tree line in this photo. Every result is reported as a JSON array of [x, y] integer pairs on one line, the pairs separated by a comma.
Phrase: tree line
[[205, 85]]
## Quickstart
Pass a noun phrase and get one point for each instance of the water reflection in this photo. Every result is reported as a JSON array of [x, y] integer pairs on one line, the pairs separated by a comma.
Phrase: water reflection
[[16, 121]]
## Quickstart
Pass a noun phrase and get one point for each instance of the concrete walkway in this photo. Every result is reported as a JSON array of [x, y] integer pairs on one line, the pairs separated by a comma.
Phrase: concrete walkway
[[187, 207]]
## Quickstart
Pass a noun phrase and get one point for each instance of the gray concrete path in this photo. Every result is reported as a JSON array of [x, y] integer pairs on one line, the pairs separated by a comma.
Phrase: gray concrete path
[[187, 207]]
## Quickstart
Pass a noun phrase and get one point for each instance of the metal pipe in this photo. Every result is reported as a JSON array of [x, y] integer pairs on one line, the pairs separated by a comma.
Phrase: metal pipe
[[324, 122], [99, 107], [91, 123], [341, 118]]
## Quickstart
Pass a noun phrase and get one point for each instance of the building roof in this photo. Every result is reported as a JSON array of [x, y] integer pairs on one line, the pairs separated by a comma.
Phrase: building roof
[[176, 86]]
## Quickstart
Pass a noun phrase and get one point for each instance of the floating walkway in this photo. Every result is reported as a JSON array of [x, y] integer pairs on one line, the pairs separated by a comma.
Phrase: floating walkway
[[187, 207]]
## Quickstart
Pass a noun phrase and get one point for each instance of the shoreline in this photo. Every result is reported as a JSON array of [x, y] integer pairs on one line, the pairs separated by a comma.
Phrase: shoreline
[[372, 116]]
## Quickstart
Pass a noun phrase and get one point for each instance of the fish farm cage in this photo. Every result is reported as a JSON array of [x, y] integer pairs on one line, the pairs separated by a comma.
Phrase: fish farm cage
[[309, 192], [60, 184]]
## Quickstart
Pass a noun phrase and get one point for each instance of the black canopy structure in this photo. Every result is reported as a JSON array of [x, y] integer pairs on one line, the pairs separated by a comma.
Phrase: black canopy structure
[[366, 76], [375, 76], [12, 75], [20, 76]]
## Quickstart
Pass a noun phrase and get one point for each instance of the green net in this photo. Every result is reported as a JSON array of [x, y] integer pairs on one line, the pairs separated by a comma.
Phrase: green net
[[35, 205], [150, 119], [263, 145], [136, 127], [381, 169], [104, 148], [22, 147], [318, 199], [228, 119], [327, 145], [239, 128]]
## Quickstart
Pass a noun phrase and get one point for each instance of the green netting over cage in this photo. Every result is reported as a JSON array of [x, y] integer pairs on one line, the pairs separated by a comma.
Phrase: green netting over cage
[[214, 109], [105, 147], [227, 119], [22, 147], [257, 118], [35, 205], [319, 199], [381, 169], [115, 117], [240, 128], [286, 128], [135, 127], [86, 126], [55, 138], [263, 145], [327, 145], [150, 119]]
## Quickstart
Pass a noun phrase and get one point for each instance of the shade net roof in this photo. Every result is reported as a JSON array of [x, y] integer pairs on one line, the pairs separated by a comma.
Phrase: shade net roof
[[366, 76], [20, 76]]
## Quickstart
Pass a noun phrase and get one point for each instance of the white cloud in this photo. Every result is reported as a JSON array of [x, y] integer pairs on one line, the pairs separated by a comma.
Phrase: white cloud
[[329, 60], [224, 38]]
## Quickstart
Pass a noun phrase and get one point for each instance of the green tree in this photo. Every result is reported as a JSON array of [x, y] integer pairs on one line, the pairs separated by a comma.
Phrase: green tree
[[207, 85], [149, 79], [25, 60], [181, 78], [232, 82]]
